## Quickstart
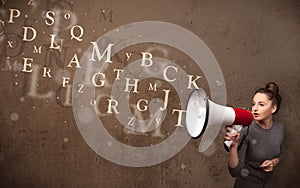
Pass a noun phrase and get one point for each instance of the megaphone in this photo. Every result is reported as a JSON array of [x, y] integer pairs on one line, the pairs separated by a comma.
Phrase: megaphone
[[202, 113]]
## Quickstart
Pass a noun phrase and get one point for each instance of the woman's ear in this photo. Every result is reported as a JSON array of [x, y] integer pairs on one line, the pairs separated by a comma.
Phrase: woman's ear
[[274, 108]]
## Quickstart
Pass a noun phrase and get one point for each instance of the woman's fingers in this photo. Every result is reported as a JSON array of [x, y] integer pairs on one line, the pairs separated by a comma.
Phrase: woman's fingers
[[231, 136], [267, 165]]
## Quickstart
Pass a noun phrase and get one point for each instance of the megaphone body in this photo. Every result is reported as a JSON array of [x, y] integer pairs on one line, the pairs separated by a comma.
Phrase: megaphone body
[[202, 113]]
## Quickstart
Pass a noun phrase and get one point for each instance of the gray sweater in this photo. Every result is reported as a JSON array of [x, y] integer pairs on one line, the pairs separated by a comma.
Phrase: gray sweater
[[257, 145]]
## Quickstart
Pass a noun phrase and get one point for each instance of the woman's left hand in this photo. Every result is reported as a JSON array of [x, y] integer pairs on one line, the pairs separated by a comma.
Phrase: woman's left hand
[[267, 165]]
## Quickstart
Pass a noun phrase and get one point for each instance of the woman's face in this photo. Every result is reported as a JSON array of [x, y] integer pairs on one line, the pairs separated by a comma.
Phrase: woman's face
[[262, 107]]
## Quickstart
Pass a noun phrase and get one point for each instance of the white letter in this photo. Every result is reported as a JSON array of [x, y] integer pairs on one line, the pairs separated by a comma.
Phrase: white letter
[[25, 65], [138, 105], [135, 85], [128, 55], [193, 81], [166, 99], [47, 71], [53, 41], [11, 15], [101, 81], [37, 50], [179, 117], [74, 60], [165, 73], [65, 81], [110, 106], [131, 122], [144, 58], [118, 73], [99, 56], [80, 88], [151, 87], [25, 34], [51, 18], [80, 35]]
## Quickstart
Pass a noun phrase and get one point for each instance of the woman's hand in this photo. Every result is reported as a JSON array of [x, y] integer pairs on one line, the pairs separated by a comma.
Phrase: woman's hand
[[232, 135], [267, 165]]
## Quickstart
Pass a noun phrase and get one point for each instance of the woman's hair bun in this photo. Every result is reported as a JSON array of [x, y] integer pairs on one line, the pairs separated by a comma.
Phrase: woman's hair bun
[[273, 87], [276, 98]]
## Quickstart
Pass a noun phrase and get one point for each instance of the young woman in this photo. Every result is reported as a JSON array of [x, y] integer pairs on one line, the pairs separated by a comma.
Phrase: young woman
[[257, 149]]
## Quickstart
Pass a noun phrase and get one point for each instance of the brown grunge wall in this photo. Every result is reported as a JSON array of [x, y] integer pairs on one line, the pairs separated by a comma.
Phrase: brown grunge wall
[[61, 126]]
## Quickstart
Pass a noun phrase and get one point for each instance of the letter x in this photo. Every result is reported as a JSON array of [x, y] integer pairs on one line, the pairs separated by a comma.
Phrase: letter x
[[10, 43]]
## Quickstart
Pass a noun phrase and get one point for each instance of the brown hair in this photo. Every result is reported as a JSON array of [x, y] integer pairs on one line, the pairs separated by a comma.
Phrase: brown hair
[[272, 91]]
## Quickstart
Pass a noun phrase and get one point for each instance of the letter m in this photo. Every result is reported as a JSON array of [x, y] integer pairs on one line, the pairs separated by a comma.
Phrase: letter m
[[151, 87], [99, 55], [37, 50]]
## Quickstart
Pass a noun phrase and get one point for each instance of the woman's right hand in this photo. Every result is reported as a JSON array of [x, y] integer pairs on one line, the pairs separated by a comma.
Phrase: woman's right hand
[[233, 135]]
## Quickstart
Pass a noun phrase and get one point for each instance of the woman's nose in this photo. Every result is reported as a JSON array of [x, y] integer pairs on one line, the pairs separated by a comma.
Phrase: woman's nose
[[254, 108]]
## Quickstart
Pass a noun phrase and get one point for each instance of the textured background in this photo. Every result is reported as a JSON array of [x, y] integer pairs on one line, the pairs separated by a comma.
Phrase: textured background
[[40, 145]]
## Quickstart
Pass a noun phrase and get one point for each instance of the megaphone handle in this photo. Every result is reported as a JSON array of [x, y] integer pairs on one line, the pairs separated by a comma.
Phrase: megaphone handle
[[235, 128]]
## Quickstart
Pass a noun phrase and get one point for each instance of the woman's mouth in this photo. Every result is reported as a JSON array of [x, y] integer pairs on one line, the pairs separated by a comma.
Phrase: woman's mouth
[[255, 114]]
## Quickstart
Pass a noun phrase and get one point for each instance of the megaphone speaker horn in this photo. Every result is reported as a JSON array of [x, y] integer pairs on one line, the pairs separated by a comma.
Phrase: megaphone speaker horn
[[201, 113]]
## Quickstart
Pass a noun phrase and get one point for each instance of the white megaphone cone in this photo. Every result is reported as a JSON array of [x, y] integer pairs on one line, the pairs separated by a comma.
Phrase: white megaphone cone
[[202, 113]]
